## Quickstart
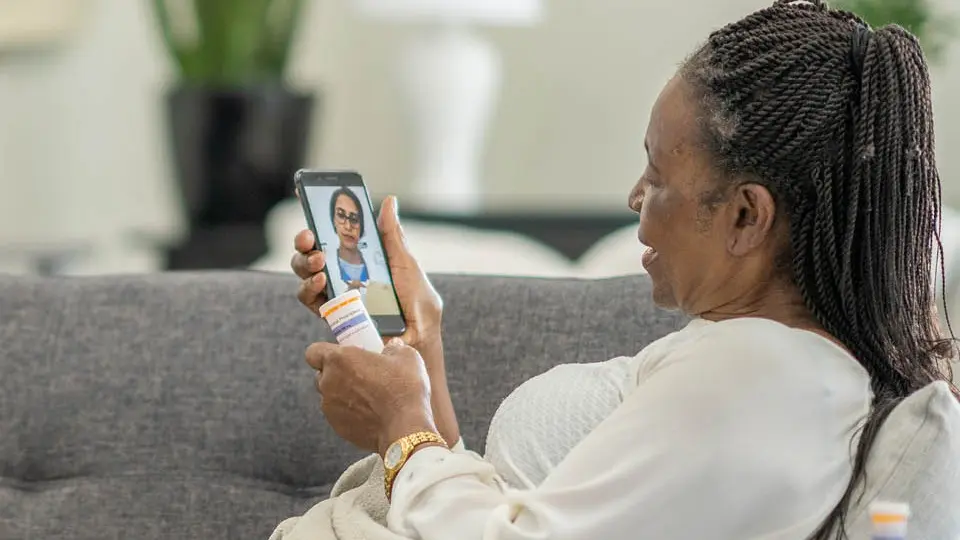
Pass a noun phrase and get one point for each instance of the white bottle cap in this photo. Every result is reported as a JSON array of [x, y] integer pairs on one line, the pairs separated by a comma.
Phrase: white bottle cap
[[350, 322], [889, 509], [889, 519]]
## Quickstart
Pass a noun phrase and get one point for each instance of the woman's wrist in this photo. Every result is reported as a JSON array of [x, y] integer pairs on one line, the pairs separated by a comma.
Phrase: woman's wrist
[[444, 413], [428, 331], [430, 347], [406, 422]]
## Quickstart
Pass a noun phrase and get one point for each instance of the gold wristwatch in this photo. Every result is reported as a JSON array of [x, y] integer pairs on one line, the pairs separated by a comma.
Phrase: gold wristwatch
[[398, 453]]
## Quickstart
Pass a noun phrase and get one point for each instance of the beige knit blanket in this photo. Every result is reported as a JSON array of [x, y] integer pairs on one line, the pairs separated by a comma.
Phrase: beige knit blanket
[[356, 510]]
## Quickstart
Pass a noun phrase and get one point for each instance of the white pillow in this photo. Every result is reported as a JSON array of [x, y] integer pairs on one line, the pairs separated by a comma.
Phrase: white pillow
[[617, 254], [916, 460]]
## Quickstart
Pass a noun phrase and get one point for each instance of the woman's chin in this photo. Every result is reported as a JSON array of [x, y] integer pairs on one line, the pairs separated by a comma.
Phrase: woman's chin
[[662, 294]]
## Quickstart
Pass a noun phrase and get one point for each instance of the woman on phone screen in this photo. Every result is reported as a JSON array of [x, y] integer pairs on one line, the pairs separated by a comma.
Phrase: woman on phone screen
[[346, 213]]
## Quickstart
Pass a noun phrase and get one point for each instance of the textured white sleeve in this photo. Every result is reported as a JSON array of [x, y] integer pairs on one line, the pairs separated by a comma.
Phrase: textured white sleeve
[[721, 441], [459, 447]]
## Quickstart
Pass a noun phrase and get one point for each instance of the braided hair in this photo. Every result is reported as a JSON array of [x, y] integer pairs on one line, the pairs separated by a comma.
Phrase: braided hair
[[835, 119]]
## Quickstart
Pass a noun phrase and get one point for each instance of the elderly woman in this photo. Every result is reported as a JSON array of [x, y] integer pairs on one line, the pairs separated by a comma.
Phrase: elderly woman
[[789, 203]]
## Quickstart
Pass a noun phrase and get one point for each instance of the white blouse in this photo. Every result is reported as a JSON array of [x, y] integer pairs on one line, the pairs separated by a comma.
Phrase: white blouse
[[741, 429]]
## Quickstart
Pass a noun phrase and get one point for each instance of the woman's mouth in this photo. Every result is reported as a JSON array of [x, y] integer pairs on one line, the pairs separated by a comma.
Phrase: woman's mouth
[[649, 257]]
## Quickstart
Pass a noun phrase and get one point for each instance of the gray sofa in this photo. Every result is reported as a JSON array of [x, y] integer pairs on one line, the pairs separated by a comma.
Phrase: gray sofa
[[179, 405]]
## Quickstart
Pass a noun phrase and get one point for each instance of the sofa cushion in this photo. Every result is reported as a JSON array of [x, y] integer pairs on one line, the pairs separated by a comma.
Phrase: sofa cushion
[[179, 405], [916, 460]]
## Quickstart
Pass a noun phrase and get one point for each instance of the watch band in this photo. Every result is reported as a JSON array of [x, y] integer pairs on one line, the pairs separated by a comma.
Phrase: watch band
[[399, 452]]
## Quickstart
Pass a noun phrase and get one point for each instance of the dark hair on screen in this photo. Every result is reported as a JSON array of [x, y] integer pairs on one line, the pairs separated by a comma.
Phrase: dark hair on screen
[[835, 119], [346, 192]]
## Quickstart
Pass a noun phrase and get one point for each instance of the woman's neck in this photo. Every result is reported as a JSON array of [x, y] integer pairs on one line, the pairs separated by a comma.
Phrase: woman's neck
[[779, 301], [352, 256]]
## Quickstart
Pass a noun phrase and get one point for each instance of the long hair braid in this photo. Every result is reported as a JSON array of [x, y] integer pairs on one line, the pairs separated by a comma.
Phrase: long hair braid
[[835, 119]]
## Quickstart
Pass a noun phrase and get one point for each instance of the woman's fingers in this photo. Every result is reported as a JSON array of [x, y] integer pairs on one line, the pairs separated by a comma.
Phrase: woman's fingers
[[318, 353], [312, 291], [304, 242], [308, 264]]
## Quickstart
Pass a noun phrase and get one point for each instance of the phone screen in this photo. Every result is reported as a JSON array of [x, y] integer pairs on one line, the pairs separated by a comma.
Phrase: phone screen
[[346, 232]]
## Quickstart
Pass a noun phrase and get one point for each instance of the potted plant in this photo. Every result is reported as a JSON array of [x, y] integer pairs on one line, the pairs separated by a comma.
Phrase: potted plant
[[932, 27], [238, 130]]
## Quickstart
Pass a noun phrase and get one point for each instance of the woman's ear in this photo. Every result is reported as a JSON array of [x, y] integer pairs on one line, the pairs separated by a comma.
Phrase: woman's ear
[[754, 212]]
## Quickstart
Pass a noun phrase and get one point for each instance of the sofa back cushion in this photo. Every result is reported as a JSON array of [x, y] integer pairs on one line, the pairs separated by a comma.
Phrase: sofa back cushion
[[179, 405]]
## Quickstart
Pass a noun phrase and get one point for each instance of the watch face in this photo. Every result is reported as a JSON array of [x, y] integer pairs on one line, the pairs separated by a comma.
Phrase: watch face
[[392, 458]]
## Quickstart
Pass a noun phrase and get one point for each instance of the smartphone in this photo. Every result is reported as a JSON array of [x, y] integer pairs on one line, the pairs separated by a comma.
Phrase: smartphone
[[337, 209]]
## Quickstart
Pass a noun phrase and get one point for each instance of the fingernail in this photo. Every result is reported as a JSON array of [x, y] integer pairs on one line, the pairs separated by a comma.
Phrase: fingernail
[[396, 207], [395, 342]]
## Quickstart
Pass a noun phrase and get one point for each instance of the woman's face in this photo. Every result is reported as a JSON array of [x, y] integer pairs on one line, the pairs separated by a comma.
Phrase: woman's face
[[346, 220], [702, 257]]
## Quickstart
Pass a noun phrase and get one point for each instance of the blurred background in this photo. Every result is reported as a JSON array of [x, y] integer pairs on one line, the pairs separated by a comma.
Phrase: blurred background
[[142, 136]]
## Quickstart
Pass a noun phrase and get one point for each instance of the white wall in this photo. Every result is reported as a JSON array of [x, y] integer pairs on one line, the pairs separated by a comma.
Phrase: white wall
[[82, 141]]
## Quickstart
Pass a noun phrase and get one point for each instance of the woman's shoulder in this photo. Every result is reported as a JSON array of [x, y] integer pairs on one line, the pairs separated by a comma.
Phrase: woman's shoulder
[[753, 337], [751, 374], [754, 349]]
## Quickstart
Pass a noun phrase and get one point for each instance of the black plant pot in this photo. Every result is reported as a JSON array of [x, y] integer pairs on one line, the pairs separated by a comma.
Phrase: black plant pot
[[236, 151]]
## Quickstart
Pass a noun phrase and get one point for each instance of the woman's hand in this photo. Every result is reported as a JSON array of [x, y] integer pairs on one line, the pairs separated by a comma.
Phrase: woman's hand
[[422, 306], [308, 264], [370, 399]]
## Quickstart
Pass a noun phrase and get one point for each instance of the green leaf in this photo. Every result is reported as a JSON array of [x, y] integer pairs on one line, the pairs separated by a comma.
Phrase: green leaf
[[237, 42], [932, 28], [281, 25]]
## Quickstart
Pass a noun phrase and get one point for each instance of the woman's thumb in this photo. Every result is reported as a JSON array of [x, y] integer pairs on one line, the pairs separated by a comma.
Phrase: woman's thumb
[[390, 231], [388, 216]]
